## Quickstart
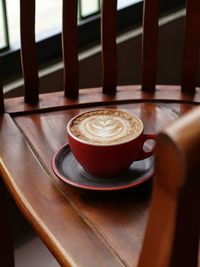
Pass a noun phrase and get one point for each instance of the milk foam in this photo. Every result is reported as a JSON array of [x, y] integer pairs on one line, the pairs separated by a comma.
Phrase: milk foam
[[105, 127]]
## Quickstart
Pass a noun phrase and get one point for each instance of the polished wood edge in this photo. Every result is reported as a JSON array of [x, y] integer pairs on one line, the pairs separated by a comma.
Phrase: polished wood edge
[[10, 129], [94, 97], [176, 197], [27, 201]]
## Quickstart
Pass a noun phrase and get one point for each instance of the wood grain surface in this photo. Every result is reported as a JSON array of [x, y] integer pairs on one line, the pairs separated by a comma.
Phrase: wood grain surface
[[117, 218], [80, 227], [50, 212], [174, 218], [94, 97], [150, 44]]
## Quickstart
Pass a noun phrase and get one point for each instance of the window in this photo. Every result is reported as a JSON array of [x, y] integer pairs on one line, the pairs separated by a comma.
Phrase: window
[[48, 27], [46, 24], [88, 8]]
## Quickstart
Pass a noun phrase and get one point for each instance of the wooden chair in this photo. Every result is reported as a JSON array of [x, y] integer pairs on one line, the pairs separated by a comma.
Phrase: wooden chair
[[173, 229], [83, 228]]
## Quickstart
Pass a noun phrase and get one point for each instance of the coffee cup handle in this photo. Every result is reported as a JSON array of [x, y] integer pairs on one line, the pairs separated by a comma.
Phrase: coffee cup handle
[[145, 154]]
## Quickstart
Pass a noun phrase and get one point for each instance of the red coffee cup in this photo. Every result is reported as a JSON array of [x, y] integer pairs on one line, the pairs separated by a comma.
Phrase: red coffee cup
[[105, 160]]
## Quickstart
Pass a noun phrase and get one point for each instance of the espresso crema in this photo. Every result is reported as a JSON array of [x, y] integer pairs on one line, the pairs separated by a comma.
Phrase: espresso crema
[[105, 127]]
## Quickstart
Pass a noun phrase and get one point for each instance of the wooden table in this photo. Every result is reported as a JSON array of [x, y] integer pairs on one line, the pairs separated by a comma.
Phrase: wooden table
[[80, 227]]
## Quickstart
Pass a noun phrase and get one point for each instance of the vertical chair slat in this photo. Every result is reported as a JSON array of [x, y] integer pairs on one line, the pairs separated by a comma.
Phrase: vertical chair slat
[[191, 46], [28, 50], [150, 44], [1, 99], [70, 50], [109, 47]]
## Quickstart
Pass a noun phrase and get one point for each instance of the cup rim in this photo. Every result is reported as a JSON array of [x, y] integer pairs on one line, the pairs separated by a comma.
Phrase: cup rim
[[104, 145]]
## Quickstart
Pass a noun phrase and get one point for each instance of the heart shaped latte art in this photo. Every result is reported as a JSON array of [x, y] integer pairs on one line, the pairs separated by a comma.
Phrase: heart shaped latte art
[[105, 126]]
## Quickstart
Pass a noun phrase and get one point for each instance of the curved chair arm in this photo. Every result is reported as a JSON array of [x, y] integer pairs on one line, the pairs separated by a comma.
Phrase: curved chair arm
[[172, 234]]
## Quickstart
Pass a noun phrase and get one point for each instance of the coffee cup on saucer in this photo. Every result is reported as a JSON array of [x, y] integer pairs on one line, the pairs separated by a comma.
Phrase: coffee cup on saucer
[[106, 142]]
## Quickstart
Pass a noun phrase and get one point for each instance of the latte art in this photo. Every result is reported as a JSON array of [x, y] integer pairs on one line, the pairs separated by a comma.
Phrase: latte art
[[105, 127]]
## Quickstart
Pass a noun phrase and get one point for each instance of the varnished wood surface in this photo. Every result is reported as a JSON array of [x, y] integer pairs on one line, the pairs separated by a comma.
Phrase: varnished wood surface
[[28, 51], [69, 48], [109, 46], [150, 44], [111, 225], [84, 228], [174, 218], [94, 96], [51, 213], [191, 46]]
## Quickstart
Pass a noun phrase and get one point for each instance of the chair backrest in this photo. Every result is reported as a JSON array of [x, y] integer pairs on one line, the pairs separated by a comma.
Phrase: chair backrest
[[173, 229], [109, 49]]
